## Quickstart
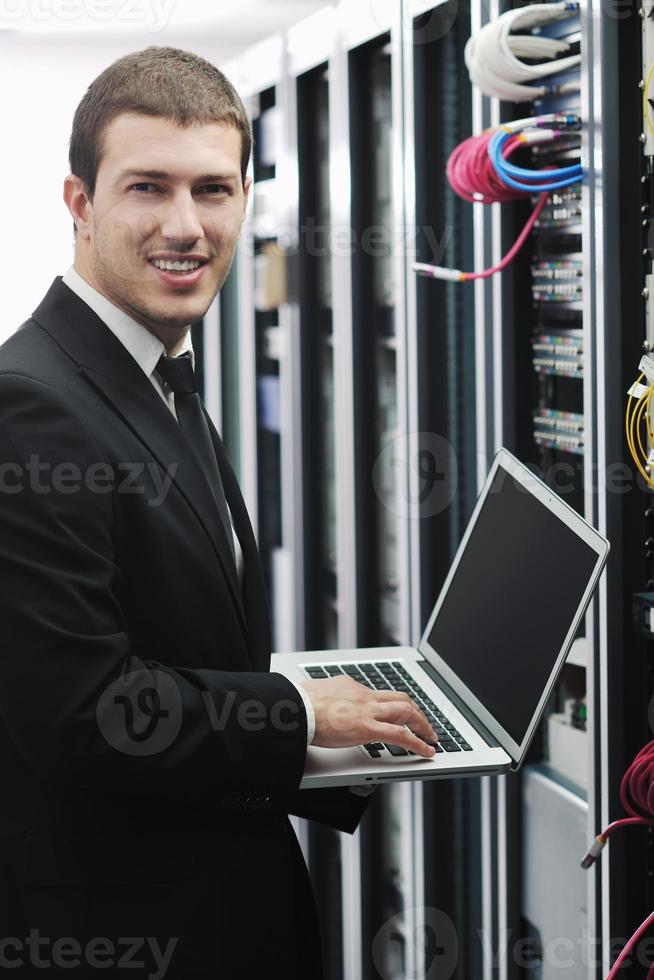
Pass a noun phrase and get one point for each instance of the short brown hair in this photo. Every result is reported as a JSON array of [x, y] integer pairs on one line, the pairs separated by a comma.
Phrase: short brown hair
[[157, 81]]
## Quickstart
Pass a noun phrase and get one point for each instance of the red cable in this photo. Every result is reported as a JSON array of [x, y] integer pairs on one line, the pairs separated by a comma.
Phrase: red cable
[[637, 786], [640, 931], [637, 798], [473, 177], [515, 248]]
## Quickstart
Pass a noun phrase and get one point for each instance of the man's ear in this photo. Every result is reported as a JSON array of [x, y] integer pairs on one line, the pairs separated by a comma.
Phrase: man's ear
[[79, 204], [247, 184]]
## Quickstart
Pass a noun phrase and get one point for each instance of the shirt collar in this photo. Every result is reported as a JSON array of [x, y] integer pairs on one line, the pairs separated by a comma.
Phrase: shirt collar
[[145, 348]]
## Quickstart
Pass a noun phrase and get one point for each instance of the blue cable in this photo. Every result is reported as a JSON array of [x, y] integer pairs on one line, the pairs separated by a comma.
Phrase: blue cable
[[563, 176], [503, 167], [540, 188], [522, 174]]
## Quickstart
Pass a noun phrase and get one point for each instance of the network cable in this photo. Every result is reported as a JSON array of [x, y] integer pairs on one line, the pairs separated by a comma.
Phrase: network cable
[[637, 417], [637, 798], [479, 172], [494, 55], [646, 100], [531, 181]]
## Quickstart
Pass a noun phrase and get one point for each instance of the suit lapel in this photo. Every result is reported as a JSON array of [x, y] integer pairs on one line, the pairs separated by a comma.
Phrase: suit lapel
[[113, 372]]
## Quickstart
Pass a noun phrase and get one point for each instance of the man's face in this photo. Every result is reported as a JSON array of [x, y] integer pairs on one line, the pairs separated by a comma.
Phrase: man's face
[[163, 193]]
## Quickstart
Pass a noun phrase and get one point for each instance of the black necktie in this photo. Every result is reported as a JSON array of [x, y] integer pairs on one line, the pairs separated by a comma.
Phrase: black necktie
[[178, 373]]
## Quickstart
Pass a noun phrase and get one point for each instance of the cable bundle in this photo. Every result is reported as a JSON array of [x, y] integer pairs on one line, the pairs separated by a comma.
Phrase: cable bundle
[[638, 412], [478, 171], [493, 55], [637, 798]]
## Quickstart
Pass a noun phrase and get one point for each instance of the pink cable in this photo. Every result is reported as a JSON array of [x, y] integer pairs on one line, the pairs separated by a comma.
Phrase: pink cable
[[640, 931], [473, 177], [515, 248], [626, 822], [637, 786], [637, 798]]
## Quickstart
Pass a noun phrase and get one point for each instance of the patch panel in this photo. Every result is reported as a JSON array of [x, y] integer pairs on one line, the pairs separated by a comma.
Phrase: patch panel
[[559, 353], [563, 210], [557, 280], [555, 429]]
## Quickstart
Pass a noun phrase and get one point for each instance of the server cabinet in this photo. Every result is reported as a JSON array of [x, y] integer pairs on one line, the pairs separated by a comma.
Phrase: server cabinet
[[542, 330], [315, 294], [268, 325], [220, 346], [442, 424], [310, 47], [626, 684], [371, 104]]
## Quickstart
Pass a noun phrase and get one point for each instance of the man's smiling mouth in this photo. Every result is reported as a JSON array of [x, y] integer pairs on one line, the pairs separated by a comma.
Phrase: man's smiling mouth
[[187, 268]]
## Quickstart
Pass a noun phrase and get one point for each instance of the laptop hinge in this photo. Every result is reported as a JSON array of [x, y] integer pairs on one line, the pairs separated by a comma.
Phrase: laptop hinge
[[431, 671]]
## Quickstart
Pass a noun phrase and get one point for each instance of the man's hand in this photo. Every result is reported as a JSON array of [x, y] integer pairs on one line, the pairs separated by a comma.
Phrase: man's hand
[[349, 713]]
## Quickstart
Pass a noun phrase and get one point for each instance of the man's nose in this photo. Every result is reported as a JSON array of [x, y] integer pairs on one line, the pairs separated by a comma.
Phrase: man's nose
[[180, 220]]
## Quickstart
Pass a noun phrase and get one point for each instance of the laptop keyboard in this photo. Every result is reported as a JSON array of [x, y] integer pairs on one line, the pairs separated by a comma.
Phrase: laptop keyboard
[[393, 676]]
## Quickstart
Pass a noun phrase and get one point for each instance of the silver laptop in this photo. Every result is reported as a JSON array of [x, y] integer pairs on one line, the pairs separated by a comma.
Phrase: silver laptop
[[494, 645]]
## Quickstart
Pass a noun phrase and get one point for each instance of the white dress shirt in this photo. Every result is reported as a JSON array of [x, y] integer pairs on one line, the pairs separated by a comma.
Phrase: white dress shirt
[[146, 349]]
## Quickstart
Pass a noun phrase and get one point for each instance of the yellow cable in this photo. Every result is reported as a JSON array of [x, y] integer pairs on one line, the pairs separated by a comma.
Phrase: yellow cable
[[632, 402], [638, 410], [637, 419], [641, 470], [648, 423], [633, 417], [642, 405], [645, 102]]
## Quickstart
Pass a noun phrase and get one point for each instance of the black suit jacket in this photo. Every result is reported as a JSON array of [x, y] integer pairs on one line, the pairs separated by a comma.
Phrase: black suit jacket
[[149, 758]]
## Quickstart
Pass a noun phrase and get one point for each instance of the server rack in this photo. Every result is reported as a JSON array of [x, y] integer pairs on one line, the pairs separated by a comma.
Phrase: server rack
[[372, 59], [441, 386], [310, 46], [515, 405], [268, 332], [626, 49], [238, 318]]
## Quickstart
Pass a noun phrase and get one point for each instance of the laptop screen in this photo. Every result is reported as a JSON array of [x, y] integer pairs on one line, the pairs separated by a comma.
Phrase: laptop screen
[[511, 602]]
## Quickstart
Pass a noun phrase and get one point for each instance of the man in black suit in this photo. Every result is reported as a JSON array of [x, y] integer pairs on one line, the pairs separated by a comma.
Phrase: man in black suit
[[149, 757]]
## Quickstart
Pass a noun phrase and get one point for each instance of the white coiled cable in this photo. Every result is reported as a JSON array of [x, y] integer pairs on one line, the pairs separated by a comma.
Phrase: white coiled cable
[[493, 55]]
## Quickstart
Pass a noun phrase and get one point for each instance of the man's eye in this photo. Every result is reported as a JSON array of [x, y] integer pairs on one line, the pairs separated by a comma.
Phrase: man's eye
[[210, 188]]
